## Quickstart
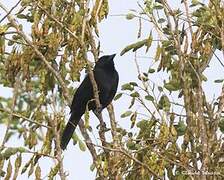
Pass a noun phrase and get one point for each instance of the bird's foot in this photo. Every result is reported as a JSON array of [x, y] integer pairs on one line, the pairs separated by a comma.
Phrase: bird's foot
[[98, 110], [103, 127]]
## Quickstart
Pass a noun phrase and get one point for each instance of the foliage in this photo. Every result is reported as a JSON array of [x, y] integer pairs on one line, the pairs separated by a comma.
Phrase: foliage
[[168, 137], [173, 144], [56, 30]]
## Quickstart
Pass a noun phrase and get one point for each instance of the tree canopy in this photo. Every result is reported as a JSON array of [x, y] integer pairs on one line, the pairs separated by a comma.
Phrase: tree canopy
[[175, 132]]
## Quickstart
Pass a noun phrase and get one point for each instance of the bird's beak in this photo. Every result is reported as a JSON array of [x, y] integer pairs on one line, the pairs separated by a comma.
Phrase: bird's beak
[[112, 56]]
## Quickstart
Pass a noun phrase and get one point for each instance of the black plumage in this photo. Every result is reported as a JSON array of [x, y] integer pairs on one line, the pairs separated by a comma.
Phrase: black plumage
[[106, 78]]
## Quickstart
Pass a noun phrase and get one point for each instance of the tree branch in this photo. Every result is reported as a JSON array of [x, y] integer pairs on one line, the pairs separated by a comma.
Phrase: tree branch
[[123, 151], [9, 12], [91, 148], [24, 118], [14, 97], [40, 55]]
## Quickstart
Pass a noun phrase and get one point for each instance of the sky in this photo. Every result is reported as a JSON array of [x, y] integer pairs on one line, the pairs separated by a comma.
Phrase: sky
[[116, 32]]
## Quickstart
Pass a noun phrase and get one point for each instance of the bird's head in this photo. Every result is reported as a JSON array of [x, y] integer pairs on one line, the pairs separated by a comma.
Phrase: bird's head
[[106, 61]]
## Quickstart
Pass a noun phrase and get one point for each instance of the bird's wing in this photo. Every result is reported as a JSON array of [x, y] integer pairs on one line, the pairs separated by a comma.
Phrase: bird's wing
[[83, 94], [113, 87], [107, 85]]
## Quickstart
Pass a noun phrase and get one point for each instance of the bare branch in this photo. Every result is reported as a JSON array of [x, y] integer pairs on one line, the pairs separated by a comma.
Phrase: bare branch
[[54, 123], [9, 12], [92, 79]]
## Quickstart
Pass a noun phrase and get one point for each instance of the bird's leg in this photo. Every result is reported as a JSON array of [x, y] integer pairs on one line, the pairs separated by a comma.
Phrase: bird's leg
[[98, 114], [98, 110]]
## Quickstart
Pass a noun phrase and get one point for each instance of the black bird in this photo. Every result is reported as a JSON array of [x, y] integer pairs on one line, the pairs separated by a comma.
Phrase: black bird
[[106, 78]]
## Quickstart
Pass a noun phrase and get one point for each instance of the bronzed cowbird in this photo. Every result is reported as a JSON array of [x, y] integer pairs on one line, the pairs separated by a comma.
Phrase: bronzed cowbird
[[106, 78]]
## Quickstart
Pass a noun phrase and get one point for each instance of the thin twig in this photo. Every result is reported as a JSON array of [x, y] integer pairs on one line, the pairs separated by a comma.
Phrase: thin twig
[[40, 55], [123, 151], [111, 167], [24, 118], [220, 61], [15, 41], [14, 97], [9, 12], [98, 8], [91, 148], [33, 152], [188, 17], [58, 22], [135, 15], [113, 123], [54, 123], [145, 86], [96, 96], [92, 79]]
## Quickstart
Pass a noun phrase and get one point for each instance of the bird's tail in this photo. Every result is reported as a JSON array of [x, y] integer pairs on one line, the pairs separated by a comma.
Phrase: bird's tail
[[68, 131]]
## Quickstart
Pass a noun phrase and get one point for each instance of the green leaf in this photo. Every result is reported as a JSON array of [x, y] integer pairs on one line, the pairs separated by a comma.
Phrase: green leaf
[[82, 146], [131, 145], [9, 171], [151, 70], [194, 3], [9, 152], [221, 125], [75, 138], [126, 114], [161, 20], [204, 78], [135, 94], [172, 86], [134, 46], [117, 96], [158, 53], [143, 78], [160, 89], [133, 83], [132, 102], [130, 16], [54, 171], [38, 173], [180, 128], [127, 87], [149, 98], [92, 167], [18, 161], [2, 173], [164, 103], [149, 42], [21, 149], [219, 80], [3, 29], [21, 16], [121, 131], [158, 6], [31, 169], [141, 124], [149, 6], [133, 119], [27, 165], [86, 117]]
